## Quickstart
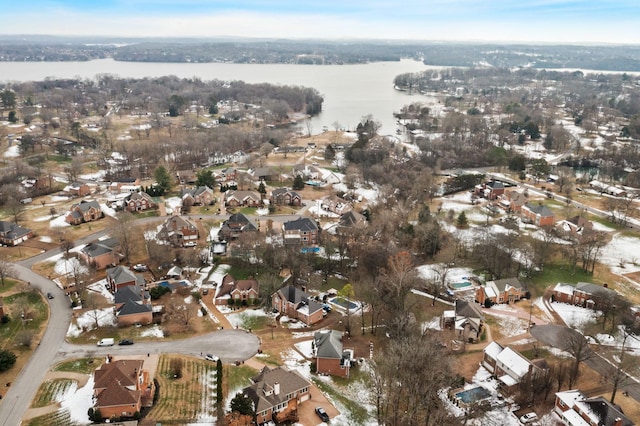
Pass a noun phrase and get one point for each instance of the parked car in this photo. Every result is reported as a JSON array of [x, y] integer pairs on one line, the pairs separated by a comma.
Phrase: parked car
[[322, 414], [205, 291], [211, 357], [140, 267], [125, 342], [190, 244], [49, 295], [528, 418]]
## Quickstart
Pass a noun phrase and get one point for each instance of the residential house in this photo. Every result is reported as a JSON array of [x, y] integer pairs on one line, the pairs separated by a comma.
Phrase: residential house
[[237, 224], [605, 188], [583, 294], [285, 197], [138, 201], [537, 214], [331, 358], [490, 190], [302, 231], [575, 409], [77, 189], [508, 290], [199, 196], [121, 388], [512, 201], [466, 321], [187, 177], [335, 204], [133, 305], [276, 394], [297, 304], [126, 185], [305, 171], [178, 230], [85, 211], [352, 219], [508, 366], [265, 174], [101, 253], [122, 276], [241, 291], [230, 174], [234, 198], [12, 234]]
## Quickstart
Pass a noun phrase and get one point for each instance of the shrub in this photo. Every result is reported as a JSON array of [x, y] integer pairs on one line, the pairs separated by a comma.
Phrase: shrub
[[7, 360]]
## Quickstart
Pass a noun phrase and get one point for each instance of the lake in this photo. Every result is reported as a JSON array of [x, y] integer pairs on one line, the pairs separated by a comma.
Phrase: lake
[[350, 91]]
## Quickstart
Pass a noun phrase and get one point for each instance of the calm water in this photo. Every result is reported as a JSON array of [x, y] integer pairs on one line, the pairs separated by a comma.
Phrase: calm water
[[350, 91]]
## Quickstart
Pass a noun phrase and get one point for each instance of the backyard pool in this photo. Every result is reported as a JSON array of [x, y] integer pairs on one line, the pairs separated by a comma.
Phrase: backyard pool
[[344, 303], [461, 285], [472, 395]]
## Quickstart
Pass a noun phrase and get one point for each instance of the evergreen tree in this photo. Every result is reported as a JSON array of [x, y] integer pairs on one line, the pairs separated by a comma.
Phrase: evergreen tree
[[329, 153], [462, 219], [7, 360], [242, 405], [205, 178], [298, 183], [163, 179]]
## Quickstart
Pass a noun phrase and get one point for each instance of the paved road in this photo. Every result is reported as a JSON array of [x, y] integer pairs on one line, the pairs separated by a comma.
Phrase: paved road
[[556, 336]]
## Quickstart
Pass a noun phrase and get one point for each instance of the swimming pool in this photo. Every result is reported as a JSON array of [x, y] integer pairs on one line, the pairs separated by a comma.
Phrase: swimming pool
[[344, 303], [472, 395], [460, 285]]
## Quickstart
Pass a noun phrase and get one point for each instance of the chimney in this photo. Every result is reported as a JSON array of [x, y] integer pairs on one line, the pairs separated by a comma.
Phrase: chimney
[[276, 388]]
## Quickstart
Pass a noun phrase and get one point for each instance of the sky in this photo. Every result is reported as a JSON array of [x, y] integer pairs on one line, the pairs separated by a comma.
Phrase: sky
[[563, 21]]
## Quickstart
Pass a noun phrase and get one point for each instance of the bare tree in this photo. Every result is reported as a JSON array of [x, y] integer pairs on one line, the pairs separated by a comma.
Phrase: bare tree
[[397, 280], [624, 367], [7, 269], [576, 345], [125, 233]]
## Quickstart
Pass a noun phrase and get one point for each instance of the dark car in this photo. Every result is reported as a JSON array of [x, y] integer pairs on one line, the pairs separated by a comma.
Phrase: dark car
[[49, 295], [322, 414], [125, 342]]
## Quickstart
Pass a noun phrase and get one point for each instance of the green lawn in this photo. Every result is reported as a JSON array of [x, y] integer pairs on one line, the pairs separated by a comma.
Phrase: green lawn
[[80, 365], [556, 273]]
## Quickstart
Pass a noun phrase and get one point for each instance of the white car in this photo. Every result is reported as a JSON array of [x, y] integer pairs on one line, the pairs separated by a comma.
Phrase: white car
[[211, 357], [528, 418]]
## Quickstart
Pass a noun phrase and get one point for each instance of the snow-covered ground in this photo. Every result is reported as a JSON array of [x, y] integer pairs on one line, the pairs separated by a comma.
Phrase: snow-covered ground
[[574, 316]]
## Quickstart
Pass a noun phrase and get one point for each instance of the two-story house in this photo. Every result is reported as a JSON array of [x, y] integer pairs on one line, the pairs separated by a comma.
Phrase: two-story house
[[101, 253], [238, 223], [138, 202], [241, 291], [12, 234], [302, 231], [509, 366], [233, 198], [122, 276], [199, 196], [133, 305], [295, 303], [178, 230], [276, 394], [285, 197], [583, 294], [576, 409], [537, 214], [85, 211], [506, 290], [121, 388]]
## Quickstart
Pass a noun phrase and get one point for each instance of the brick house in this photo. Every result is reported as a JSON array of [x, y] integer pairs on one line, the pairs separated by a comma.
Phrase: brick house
[[241, 291], [178, 230], [101, 253], [302, 231], [285, 197], [582, 294], [121, 388], [331, 358], [12, 234], [490, 190], [574, 226], [237, 224], [513, 201], [138, 201], [121, 276], [199, 196], [295, 303], [508, 290], [467, 320], [133, 305], [186, 177], [233, 198], [537, 214], [276, 394], [125, 185], [575, 409], [77, 189], [85, 211]]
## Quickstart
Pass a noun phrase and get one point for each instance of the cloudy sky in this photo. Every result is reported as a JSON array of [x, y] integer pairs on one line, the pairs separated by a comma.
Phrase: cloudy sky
[[607, 21]]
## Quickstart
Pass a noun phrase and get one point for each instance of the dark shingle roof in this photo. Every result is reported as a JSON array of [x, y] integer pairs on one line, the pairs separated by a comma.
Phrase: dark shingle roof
[[301, 224]]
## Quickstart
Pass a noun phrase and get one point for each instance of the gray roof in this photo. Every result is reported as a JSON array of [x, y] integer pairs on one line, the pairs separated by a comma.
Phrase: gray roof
[[262, 391], [132, 293], [301, 224], [298, 297], [328, 344], [130, 307], [502, 284], [593, 289], [121, 274], [468, 309], [539, 209], [12, 231], [99, 247]]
